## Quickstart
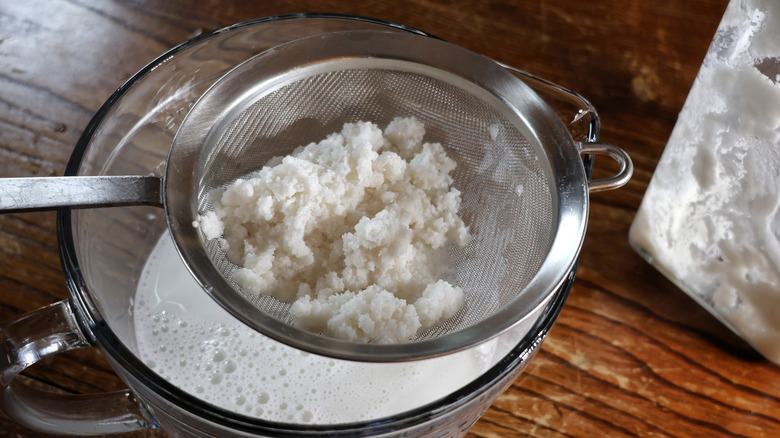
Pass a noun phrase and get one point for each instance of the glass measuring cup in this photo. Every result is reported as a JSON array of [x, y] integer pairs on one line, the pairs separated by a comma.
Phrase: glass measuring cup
[[103, 264]]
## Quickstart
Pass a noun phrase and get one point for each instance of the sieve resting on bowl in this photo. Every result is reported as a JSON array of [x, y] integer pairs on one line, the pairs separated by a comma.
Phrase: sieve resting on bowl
[[500, 133]]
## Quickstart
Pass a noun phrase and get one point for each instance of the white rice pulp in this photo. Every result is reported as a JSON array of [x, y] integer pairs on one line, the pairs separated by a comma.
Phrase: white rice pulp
[[352, 230]]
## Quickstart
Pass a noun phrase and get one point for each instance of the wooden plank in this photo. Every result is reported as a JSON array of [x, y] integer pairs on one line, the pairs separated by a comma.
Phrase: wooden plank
[[631, 355]]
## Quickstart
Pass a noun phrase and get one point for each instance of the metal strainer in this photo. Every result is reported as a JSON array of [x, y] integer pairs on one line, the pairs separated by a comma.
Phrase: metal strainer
[[523, 186]]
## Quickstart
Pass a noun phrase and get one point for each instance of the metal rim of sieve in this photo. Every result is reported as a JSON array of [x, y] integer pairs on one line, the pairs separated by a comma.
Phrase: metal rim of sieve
[[293, 61]]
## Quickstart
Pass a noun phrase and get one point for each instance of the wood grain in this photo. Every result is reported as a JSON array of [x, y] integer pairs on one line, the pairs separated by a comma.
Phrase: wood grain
[[631, 355]]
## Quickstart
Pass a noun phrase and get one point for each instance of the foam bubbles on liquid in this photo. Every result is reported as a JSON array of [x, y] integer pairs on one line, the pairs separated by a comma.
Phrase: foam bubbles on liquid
[[189, 340]]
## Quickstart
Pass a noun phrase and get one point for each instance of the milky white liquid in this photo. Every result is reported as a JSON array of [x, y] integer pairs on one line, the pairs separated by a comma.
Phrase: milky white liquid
[[196, 345]]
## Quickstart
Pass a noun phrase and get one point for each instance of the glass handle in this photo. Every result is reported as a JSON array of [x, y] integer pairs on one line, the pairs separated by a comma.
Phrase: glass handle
[[623, 174], [43, 333], [575, 111]]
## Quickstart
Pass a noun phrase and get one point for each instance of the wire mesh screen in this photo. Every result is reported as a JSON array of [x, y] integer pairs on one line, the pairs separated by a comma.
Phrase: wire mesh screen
[[506, 195]]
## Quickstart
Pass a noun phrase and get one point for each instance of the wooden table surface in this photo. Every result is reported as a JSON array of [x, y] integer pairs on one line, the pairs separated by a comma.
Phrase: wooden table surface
[[630, 355]]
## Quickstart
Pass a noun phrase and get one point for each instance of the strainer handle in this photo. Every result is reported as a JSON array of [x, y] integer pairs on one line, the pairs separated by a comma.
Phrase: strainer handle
[[46, 193], [623, 175], [44, 333]]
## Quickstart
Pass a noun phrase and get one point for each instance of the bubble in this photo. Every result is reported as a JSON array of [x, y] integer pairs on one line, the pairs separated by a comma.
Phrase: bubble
[[240, 400], [263, 398], [307, 416], [216, 378], [199, 389], [219, 356], [229, 367]]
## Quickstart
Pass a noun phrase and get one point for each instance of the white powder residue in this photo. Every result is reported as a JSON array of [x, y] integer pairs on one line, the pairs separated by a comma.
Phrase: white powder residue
[[711, 216], [352, 230], [493, 131]]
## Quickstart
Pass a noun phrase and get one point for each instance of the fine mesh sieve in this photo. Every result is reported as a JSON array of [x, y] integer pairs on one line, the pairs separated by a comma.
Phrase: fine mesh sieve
[[523, 186], [522, 183]]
